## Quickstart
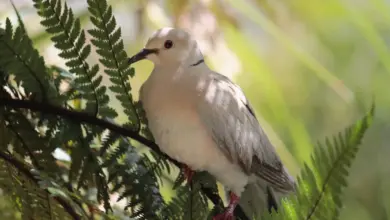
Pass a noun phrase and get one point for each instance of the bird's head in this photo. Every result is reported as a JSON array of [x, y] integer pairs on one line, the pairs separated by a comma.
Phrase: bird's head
[[169, 46]]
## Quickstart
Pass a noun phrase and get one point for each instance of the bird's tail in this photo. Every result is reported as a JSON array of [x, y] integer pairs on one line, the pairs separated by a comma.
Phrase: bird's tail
[[258, 198]]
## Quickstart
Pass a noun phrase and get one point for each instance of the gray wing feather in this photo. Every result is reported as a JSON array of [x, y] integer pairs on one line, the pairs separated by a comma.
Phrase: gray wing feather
[[232, 124]]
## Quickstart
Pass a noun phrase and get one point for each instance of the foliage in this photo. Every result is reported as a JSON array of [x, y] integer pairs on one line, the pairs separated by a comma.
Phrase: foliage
[[320, 188], [38, 119], [68, 37], [107, 39]]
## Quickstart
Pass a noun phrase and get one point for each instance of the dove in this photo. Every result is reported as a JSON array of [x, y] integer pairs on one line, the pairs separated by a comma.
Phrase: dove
[[202, 119]]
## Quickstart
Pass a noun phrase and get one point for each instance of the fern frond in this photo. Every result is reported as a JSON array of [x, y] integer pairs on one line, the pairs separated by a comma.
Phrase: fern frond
[[19, 57], [137, 185], [117, 153], [103, 190], [319, 189], [91, 172], [21, 23], [108, 142], [17, 181], [64, 83], [27, 141], [107, 38], [189, 203], [157, 165], [143, 119], [70, 39]]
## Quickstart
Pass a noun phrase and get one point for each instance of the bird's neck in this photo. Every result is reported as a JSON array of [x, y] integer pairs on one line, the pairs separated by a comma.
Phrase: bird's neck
[[195, 57], [191, 60]]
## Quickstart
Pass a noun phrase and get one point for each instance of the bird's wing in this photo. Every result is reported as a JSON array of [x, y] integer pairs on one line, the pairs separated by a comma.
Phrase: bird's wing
[[231, 121]]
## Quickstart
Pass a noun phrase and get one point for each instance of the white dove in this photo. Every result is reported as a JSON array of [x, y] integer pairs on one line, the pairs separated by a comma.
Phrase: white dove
[[203, 120]]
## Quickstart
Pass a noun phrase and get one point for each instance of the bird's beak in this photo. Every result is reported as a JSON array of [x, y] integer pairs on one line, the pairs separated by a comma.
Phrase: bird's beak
[[142, 55]]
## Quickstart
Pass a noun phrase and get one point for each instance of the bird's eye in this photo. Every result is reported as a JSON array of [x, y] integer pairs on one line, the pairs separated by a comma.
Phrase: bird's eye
[[168, 44]]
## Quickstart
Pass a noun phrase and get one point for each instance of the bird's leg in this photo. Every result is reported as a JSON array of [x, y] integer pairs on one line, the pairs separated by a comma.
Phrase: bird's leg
[[188, 173], [229, 212]]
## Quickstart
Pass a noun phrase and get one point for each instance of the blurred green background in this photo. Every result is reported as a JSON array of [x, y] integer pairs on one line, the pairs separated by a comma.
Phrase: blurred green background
[[309, 67]]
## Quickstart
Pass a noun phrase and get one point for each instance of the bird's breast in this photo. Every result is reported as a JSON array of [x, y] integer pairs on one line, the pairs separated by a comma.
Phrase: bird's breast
[[184, 139], [177, 128], [175, 124], [181, 136]]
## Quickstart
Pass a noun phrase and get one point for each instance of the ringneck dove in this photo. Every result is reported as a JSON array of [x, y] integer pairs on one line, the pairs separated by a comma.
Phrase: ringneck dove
[[203, 120]]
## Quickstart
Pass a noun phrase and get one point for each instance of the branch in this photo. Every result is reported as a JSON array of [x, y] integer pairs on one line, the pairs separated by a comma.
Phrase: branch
[[83, 117]]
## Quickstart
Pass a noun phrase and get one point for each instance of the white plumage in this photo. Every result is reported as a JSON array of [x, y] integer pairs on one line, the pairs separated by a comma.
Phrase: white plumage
[[202, 119]]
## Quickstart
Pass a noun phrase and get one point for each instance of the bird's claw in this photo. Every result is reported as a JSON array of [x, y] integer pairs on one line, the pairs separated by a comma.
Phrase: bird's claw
[[229, 212]]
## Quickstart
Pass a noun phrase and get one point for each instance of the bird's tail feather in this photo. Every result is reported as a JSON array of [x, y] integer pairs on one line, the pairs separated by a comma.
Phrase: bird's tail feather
[[258, 198]]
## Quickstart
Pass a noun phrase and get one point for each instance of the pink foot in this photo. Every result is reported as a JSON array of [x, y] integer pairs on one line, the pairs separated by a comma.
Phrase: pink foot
[[229, 212], [188, 173]]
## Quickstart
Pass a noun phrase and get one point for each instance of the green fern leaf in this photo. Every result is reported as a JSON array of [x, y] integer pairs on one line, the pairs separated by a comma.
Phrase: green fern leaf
[[18, 57], [319, 188], [137, 184], [144, 121], [108, 142], [21, 23], [117, 153], [30, 144], [113, 56], [70, 39], [34, 202], [189, 203]]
